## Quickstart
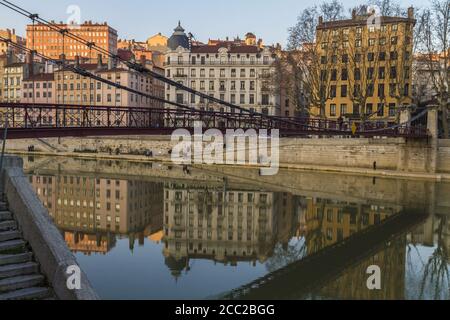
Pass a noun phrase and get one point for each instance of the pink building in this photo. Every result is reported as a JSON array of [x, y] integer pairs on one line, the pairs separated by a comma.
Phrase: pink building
[[39, 88]]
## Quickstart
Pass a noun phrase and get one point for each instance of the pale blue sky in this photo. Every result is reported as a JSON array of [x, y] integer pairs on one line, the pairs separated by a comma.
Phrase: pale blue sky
[[139, 19]]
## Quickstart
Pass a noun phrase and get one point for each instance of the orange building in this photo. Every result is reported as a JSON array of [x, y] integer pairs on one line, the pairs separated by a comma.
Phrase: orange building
[[52, 44]]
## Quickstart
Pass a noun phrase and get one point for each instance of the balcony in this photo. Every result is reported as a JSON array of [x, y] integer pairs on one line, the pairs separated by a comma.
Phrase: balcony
[[219, 63]]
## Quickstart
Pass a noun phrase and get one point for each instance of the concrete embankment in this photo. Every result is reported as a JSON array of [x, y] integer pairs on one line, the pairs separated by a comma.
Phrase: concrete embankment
[[39, 233], [393, 157]]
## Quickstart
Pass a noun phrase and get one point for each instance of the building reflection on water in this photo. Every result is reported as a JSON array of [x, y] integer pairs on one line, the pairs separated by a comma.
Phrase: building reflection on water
[[91, 212], [231, 225]]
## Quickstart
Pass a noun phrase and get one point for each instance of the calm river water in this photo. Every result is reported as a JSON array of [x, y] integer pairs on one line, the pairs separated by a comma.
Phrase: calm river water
[[154, 232]]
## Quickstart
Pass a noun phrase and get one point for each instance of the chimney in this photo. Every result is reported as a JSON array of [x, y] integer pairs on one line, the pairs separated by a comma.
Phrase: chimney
[[99, 61], [143, 60], [411, 13], [30, 63], [13, 31], [111, 63], [320, 20], [353, 14]]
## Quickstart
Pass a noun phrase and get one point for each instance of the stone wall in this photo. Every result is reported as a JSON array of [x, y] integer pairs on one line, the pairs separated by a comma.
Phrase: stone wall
[[395, 154], [443, 156]]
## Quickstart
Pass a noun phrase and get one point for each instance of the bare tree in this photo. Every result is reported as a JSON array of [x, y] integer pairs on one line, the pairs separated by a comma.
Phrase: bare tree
[[434, 37], [313, 57]]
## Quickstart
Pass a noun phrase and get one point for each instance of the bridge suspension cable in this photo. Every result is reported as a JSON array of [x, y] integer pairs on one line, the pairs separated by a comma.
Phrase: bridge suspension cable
[[85, 73], [132, 65]]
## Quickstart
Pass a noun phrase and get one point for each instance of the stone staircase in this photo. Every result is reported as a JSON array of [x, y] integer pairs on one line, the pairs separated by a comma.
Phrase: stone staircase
[[20, 278]]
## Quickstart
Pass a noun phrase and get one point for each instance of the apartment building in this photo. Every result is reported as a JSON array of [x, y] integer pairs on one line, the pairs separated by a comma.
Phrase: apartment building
[[236, 71], [364, 69], [39, 88], [13, 76], [11, 35], [52, 44]]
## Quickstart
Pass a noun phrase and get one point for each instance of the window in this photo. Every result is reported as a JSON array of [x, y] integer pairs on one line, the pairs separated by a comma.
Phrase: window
[[265, 99], [222, 73], [381, 73], [345, 58], [242, 99], [370, 90], [242, 85], [323, 59], [344, 91], [358, 43], [370, 71], [333, 91], [392, 110], [211, 85], [406, 90], [233, 85], [344, 74], [369, 108], [394, 40], [371, 42], [382, 41], [211, 73], [380, 110], [343, 109], [394, 27], [370, 56], [381, 90], [252, 99], [333, 75], [393, 72], [357, 74], [332, 110], [194, 73]]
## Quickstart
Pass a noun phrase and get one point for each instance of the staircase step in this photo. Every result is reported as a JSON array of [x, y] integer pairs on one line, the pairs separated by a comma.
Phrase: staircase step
[[5, 215], [21, 269], [26, 294], [20, 282], [9, 235], [12, 246], [15, 258], [8, 225]]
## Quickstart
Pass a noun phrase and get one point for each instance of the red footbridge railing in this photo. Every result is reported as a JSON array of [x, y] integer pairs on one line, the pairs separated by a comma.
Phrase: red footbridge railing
[[50, 120]]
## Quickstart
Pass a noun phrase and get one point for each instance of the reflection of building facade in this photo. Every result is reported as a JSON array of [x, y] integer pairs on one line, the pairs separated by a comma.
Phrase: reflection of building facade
[[329, 222], [226, 226], [90, 209]]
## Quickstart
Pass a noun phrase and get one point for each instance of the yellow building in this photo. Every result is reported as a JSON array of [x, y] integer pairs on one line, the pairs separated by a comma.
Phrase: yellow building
[[363, 67], [157, 42]]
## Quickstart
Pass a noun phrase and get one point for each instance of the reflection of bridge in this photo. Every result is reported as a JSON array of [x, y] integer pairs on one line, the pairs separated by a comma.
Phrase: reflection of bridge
[[299, 278], [47, 120]]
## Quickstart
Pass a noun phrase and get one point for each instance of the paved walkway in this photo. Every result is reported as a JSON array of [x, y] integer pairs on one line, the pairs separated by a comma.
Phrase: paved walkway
[[20, 278]]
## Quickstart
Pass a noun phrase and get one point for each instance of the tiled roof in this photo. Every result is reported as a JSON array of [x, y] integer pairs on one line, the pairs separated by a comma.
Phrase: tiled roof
[[231, 48], [361, 21], [41, 77]]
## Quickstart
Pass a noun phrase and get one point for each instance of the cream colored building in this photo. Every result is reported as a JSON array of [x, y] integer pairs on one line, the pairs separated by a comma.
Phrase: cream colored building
[[235, 71]]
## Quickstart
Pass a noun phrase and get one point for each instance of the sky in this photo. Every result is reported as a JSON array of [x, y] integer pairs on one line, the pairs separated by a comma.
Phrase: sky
[[140, 19]]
